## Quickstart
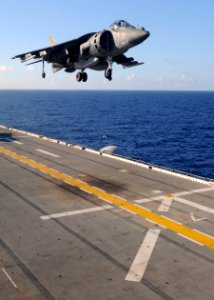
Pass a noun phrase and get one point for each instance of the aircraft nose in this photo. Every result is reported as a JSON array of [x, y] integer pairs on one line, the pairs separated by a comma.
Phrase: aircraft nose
[[144, 34], [147, 34], [140, 36]]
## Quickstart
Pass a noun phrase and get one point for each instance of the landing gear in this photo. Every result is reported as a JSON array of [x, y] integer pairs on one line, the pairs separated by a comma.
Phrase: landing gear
[[108, 74], [82, 76], [43, 68], [108, 71]]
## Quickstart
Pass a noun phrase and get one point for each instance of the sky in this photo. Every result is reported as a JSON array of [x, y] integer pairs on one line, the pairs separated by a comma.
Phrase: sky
[[179, 54]]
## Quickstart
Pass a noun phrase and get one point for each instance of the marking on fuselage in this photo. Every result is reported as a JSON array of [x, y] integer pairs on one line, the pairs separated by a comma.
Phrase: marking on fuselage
[[75, 212], [47, 153], [130, 206]]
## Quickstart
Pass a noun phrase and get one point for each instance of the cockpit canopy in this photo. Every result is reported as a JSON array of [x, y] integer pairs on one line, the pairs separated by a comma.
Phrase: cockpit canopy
[[121, 23]]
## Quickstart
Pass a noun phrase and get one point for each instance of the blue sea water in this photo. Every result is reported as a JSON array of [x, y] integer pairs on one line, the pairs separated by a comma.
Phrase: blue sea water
[[170, 129]]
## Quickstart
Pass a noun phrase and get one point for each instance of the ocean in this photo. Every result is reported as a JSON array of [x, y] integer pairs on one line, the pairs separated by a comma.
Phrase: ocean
[[169, 129]]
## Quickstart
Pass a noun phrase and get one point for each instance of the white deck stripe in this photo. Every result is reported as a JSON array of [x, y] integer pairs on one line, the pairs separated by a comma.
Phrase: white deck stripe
[[165, 204], [141, 260], [195, 205], [144, 200], [185, 193], [189, 239], [48, 153], [17, 142], [10, 279], [75, 212]]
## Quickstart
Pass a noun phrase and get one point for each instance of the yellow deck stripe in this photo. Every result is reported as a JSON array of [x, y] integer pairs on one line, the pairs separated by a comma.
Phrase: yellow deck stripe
[[187, 232]]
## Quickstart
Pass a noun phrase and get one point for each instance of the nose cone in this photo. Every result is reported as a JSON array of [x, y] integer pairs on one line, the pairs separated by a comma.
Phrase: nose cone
[[140, 36]]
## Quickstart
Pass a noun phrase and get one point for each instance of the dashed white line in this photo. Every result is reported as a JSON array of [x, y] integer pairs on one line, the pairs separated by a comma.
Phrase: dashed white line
[[173, 220], [189, 239], [75, 212], [119, 197], [85, 191], [102, 198], [204, 233], [142, 258], [144, 200], [47, 153]]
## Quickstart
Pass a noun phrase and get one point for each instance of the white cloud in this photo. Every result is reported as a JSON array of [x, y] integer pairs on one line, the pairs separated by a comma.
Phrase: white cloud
[[131, 77], [161, 79], [185, 76], [173, 61], [4, 69], [30, 68]]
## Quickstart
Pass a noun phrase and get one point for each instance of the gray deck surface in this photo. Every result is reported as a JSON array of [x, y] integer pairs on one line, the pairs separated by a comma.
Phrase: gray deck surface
[[90, 253]]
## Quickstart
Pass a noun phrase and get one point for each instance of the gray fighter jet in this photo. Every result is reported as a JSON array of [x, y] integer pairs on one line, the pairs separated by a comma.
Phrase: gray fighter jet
[[96, 50]]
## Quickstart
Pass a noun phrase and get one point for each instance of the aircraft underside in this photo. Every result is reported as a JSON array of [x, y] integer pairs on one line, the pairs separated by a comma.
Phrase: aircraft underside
[[94, 63], [101, 65]]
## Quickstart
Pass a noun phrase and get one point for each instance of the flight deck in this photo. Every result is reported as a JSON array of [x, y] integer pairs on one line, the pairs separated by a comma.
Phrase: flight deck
[[79, 224]]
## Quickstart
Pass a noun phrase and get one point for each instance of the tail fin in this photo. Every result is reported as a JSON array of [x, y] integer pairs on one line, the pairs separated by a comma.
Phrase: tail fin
[[55, 66], [52, 41]]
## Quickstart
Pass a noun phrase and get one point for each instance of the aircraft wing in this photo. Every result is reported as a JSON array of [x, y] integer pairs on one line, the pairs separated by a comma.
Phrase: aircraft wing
[[126, 62], [45, 53], [48, 54]]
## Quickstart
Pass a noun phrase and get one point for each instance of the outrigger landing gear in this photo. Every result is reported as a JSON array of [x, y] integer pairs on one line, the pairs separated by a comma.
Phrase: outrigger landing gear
[[108, 71], [82, 76], [43, 68]]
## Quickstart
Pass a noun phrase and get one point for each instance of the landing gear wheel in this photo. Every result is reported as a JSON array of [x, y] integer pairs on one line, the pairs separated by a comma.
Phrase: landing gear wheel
[[108, 74], [43, 75], [79, 76], [84, 77]]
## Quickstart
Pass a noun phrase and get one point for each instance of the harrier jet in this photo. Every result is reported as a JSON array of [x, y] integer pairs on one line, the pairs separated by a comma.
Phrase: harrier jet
[[96, 50]]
